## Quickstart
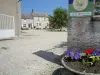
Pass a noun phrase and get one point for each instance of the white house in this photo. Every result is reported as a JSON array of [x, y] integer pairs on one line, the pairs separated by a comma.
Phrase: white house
[[27, 21], [40, 20], [35, 20]]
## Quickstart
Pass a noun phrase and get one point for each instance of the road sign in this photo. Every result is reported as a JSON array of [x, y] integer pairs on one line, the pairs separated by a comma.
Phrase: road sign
[[78, 8]]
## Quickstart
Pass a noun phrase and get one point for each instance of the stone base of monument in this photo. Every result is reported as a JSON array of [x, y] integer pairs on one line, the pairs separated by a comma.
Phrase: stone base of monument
[[83, 32], [78, 68]]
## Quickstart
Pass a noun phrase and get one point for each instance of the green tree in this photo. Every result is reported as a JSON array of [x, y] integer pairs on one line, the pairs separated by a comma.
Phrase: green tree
[[59, 18]]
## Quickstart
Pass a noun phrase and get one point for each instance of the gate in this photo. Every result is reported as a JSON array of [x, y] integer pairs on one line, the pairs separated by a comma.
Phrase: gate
[[7, 26]]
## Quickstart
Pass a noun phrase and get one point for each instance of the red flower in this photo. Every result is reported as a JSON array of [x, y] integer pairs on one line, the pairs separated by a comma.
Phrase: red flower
[[89, 51]]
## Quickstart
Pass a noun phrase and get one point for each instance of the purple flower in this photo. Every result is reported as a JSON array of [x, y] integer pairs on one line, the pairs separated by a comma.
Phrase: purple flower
[[72, 57], [68, 53], [96, 53], [73, 54], [77, 56]]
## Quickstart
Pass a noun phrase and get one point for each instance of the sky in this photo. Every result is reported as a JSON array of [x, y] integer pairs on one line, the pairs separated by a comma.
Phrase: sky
[[43, 6]]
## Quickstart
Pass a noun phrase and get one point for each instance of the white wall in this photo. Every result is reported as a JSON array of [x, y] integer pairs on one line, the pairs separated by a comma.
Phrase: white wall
[[27, 21], [41, 20], [7, 33], [7, 26]]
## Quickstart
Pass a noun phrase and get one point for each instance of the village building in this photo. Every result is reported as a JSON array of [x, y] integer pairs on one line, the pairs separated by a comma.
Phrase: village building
[[35, 20]]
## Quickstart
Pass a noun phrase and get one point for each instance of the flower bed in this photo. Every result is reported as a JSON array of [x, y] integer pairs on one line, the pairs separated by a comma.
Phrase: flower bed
[[87, 62]]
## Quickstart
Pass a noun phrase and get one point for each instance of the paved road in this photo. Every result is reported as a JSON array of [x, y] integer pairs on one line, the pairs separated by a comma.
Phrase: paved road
[[31, 54]]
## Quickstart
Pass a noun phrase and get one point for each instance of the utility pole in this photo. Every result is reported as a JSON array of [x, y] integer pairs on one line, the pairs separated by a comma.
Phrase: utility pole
[[32, 13], [18, 17]]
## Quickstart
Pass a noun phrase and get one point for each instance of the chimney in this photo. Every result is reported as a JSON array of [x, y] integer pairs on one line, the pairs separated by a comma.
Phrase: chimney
[[32, 10]]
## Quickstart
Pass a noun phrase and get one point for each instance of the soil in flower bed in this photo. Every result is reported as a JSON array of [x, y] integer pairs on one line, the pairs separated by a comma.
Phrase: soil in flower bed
[[78, 66]]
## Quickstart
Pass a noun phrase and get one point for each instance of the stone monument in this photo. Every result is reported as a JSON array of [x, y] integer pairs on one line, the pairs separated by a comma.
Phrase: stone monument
[[80, 27]]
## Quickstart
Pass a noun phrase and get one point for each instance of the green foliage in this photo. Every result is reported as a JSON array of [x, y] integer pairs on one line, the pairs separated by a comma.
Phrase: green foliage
[[59, 18], [90, 60], [87, 61]]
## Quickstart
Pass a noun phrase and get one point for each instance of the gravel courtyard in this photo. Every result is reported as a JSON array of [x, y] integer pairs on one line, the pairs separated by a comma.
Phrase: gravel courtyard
[[33, 53]]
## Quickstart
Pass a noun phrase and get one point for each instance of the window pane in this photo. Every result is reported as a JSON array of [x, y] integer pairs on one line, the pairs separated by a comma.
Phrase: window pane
[[24, 25]]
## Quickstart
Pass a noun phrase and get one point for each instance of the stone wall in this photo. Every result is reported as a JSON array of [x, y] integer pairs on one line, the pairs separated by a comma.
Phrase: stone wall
[[83, 33], [12, 8], [96, 27]]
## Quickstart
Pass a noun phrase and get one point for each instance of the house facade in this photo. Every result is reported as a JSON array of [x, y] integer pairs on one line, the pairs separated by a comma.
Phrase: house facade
[[40, 20], [27, 21], [10, 18], [35, 21], [96, 17]]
